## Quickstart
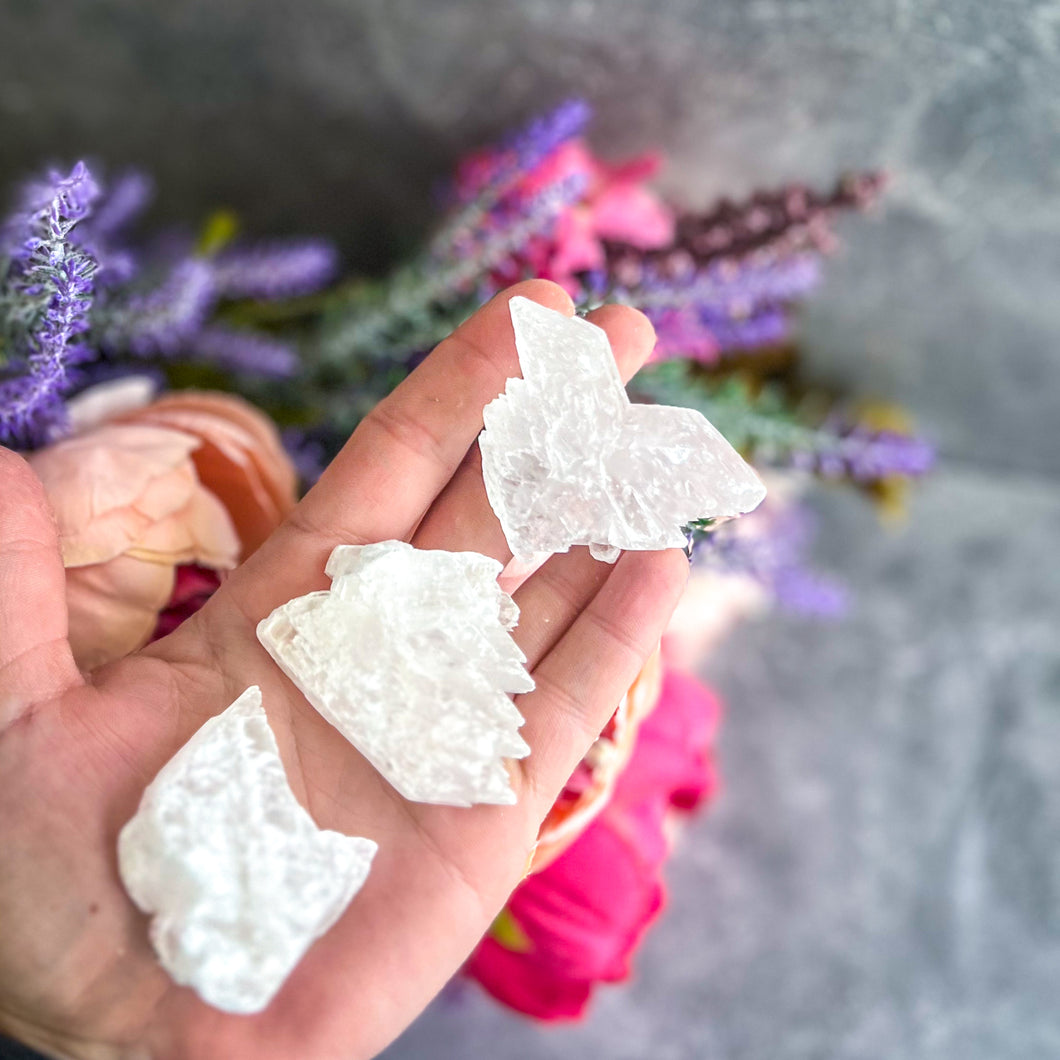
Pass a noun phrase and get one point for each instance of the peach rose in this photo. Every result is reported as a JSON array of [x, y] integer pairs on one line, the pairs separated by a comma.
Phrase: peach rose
[[189, 479], [240, 457]]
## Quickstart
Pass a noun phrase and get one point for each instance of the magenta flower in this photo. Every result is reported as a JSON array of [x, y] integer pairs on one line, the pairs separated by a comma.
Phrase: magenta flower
[[194, 585], [615, 206], [578, 922]]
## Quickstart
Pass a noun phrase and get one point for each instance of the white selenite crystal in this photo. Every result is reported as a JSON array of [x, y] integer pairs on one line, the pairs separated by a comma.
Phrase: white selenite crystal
[[568, 460], [409, 656], [237, 876]]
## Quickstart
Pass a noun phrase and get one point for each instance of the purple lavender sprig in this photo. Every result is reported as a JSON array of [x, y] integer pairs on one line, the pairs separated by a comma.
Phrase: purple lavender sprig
[[528, 147], [498, 174], [702, 335], [72, 197], [482, 236], [410, 316], [764, 327], [700, 312], [161, 322], [773, 551], [172, 318], [762, 426], [243, 351], [725, 281], [49, 267], [492, 248], [274, 270], [495, 174], [866, 455], [127, 197], [726, 289]]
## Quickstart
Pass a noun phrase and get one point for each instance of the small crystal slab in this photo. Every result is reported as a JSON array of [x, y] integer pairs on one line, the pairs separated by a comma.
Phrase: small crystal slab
[[409, 656], [237, 876], [568, 460]]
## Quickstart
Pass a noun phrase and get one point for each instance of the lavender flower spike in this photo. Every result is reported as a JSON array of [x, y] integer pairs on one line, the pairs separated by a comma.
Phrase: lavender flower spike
[[244, 351], [871, 455], [51, 266], [278, 269], [498, 170], [533, 144], [763, 328], [731, 290], [162, 321], [774, 553], [72, 197]]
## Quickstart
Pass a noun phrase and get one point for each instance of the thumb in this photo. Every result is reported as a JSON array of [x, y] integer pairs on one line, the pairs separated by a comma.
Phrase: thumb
[[35, 658]]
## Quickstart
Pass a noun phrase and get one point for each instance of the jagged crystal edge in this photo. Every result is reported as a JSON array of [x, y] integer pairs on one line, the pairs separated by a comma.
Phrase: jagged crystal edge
[[568, 460], [236, 875], [409, 656]]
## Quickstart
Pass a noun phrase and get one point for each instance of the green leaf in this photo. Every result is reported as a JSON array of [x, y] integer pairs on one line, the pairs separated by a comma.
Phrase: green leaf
[[507, 932]]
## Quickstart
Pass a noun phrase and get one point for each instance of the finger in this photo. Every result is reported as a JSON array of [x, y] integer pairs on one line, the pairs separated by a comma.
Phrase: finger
[[461, 517], [35, 658], [582, 679], [553, 597], [399, 458]]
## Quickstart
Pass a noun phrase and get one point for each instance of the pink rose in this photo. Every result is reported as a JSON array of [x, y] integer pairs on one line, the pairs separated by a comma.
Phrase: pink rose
[[577, 923], [616, 206], [192, 479]]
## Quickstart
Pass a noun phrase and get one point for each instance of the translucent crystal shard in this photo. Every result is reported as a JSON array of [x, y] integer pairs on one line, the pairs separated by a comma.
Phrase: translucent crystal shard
[[568, 460], [238, 878], [409, 656]]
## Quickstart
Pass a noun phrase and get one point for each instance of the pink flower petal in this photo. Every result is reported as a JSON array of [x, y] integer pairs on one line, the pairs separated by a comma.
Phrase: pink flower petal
[[584, 914], [628, 213]]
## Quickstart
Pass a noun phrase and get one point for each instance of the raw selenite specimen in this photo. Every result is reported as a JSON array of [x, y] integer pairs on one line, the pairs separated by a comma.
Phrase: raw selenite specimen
[[568, 460], [409, 656], [237, 876]]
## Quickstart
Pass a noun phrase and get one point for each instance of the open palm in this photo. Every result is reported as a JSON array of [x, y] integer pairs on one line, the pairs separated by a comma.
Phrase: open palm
[[77, 974]]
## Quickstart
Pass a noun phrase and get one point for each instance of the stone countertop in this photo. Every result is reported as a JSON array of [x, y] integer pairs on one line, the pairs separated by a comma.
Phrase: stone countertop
[[341, 117], [880, 876]]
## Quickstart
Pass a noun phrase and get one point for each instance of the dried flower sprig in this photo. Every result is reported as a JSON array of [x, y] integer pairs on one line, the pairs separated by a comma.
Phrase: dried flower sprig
[[726, 281], [274, 270], [785, 221], [412, 311], [487, 227], [485, 180], [765, 428], [51, 276], [72, 291], [160, 322], [773, 550], [700, 313], [716, 283], [244, 351]]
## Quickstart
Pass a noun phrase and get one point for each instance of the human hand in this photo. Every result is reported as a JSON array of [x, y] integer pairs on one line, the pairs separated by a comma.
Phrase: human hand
[[78, 977]]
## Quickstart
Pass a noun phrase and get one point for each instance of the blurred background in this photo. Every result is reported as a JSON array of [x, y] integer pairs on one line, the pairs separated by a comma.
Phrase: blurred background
[[880, 876]]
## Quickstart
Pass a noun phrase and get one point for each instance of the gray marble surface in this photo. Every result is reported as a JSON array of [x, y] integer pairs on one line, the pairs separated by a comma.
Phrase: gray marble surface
[[880, 879], [340, 116]]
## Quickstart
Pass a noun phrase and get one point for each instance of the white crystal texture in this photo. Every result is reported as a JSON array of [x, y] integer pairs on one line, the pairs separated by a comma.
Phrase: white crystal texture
[[237, 876], [409, 656], [567, 459]]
